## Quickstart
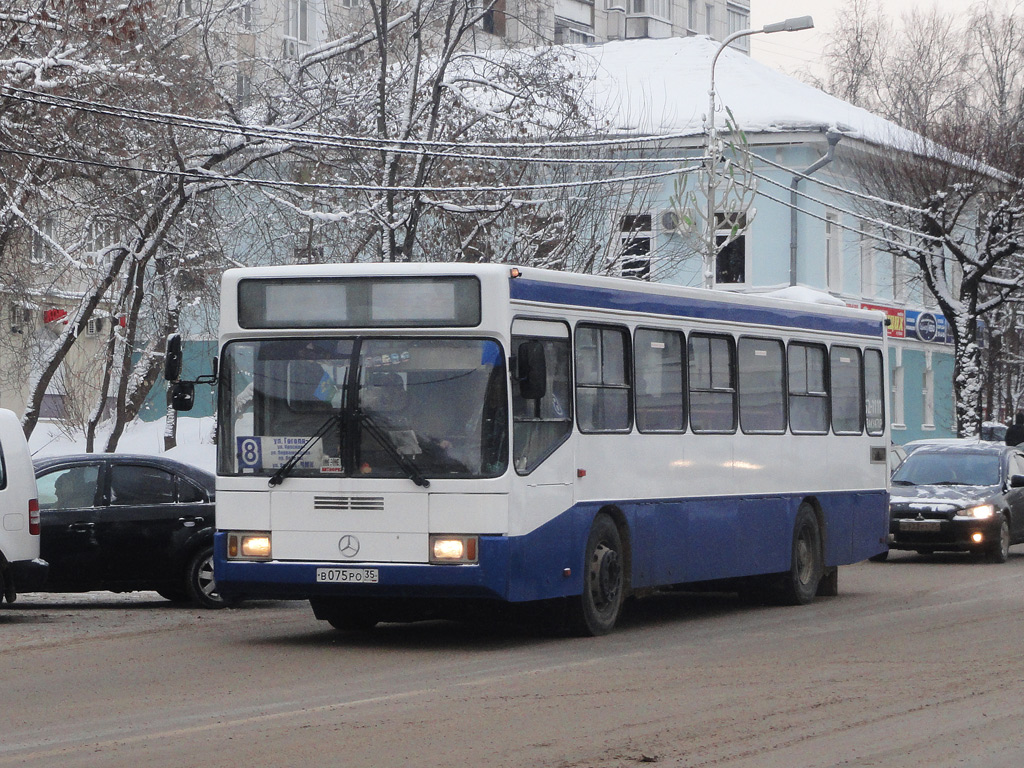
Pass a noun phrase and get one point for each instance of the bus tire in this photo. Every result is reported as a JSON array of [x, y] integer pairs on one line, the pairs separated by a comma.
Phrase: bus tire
[[345, 615], [595, 611], [807, 564]]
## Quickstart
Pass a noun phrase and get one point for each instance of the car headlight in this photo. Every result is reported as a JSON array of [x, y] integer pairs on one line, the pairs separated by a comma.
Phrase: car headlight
[[980, 512]]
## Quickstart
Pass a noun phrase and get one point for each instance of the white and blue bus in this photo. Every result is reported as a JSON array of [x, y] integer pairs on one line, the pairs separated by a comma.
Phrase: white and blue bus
[[404, 441]]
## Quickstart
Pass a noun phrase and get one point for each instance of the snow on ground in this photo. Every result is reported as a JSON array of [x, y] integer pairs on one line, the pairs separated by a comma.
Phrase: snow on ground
[[195, 441]]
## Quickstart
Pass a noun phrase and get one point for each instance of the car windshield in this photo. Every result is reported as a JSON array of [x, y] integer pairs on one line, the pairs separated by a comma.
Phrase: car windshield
[[377, 407], [948, 468]]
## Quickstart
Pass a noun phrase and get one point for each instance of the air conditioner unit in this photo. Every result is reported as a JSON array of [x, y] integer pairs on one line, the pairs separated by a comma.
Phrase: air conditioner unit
[[670, 221], [94, 326], [291, 49]]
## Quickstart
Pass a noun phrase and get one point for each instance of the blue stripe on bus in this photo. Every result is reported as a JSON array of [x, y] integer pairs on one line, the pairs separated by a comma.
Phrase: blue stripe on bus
[[672, 541], [566, 294]]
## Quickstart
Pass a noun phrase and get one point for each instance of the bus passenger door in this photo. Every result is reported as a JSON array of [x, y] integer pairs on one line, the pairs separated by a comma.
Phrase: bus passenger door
[[542, 423]]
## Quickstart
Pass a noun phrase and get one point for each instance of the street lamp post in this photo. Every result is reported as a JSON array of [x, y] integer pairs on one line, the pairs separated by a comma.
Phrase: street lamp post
[[714, 150]]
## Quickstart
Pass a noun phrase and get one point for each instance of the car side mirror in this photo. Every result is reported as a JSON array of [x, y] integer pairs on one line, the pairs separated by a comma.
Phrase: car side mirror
[[1017, 481], [183, 395], [531, 370]]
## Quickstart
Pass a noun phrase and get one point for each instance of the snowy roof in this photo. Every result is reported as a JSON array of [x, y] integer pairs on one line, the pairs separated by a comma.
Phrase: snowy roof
[[661, 87]]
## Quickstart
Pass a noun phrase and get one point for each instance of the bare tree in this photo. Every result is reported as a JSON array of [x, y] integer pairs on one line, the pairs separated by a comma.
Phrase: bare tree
[[957, 87]]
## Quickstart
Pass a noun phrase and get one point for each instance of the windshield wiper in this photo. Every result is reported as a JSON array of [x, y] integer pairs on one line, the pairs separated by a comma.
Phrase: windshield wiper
[[404, 462], [903, 482], [285, 469]]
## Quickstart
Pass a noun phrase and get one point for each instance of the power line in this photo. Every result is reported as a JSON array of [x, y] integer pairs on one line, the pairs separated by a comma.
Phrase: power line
[[274, 183], [341, 141]]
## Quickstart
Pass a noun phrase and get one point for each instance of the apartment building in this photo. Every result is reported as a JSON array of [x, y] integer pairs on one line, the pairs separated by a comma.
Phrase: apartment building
[[303, 24]]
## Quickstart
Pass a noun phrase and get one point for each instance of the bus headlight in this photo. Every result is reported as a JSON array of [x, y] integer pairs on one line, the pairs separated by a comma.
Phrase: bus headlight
[[453, 549], [254, 545]]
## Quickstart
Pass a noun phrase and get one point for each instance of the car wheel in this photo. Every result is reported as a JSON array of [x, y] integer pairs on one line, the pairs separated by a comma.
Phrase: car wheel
[[881, 557], [1000, 551], [199, 583], [597, 609], [800, 585]]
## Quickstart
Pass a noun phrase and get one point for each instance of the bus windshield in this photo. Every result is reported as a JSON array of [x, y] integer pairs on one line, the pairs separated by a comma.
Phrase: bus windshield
[[363, 407]]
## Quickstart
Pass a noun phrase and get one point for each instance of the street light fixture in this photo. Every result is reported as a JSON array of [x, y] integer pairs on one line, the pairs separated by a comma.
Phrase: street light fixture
[[795, 24]]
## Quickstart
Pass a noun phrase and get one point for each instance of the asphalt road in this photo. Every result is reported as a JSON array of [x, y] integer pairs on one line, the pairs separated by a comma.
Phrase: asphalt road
[[918, 662]]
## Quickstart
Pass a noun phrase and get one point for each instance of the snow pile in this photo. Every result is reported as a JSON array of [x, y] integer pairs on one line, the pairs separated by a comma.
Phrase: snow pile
[[195, 441]]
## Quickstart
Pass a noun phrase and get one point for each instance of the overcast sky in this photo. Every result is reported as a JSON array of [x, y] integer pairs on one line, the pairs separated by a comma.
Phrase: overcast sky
[[791, 51]]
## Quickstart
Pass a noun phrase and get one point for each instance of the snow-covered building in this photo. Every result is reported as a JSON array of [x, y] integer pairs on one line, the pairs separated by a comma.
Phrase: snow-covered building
[[808, 222]]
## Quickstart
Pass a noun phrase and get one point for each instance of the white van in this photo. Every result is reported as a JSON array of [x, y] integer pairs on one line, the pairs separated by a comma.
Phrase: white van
[[21, 570]]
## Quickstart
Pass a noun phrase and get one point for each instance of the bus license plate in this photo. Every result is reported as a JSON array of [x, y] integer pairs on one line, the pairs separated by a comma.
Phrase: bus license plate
[[347, 575], [921, 526]]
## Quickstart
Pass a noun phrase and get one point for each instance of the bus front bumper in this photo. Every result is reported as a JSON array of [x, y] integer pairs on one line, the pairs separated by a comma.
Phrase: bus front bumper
[[286, 580]]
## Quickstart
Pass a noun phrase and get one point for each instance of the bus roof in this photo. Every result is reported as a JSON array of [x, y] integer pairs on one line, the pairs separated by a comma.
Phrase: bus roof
[[597, 291]]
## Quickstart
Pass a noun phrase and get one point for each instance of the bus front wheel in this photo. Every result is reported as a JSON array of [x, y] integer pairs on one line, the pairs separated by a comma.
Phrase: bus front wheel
[[595, 611], [800, 584]]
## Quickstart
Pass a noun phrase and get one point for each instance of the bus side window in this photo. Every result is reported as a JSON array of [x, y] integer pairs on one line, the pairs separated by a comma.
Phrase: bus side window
[[603, 389], [762, 386], [847, 390], [541, 424], [712, 383], [808, 389], [874, 392], [660, 381]]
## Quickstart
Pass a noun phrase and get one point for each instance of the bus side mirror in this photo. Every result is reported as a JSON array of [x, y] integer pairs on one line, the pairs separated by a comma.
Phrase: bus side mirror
[[172, 358], [183, 395], [531, 370]]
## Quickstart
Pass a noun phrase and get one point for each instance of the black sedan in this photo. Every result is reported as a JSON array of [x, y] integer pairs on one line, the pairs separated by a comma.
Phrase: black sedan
[[121, 523], [960, 497]]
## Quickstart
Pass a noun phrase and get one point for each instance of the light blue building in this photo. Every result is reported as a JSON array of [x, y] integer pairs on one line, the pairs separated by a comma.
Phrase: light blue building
[[803, 222]]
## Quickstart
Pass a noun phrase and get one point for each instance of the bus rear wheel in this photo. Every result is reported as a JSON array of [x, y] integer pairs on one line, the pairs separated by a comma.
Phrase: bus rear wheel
[[800, 584], [597, 608]]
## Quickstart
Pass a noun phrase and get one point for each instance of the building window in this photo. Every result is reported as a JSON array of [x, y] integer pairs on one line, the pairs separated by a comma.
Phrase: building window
[[296, 20], [245, 15], [572, 33], [928, 393], [662, 9], [731, 243], [868, 287], [42, 238], [21, 318], [691, 15], [493, 20], [738, 19], [709, 19], [243, 90], [637, 239], [833, 252], [898, 410]]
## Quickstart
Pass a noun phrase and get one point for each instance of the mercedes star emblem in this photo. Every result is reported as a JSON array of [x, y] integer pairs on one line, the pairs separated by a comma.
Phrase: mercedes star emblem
[[349, 545]]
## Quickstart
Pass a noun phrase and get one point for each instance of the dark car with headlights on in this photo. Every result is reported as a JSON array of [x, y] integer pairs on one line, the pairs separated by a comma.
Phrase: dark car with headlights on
[[121, 523], [959, 497]]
